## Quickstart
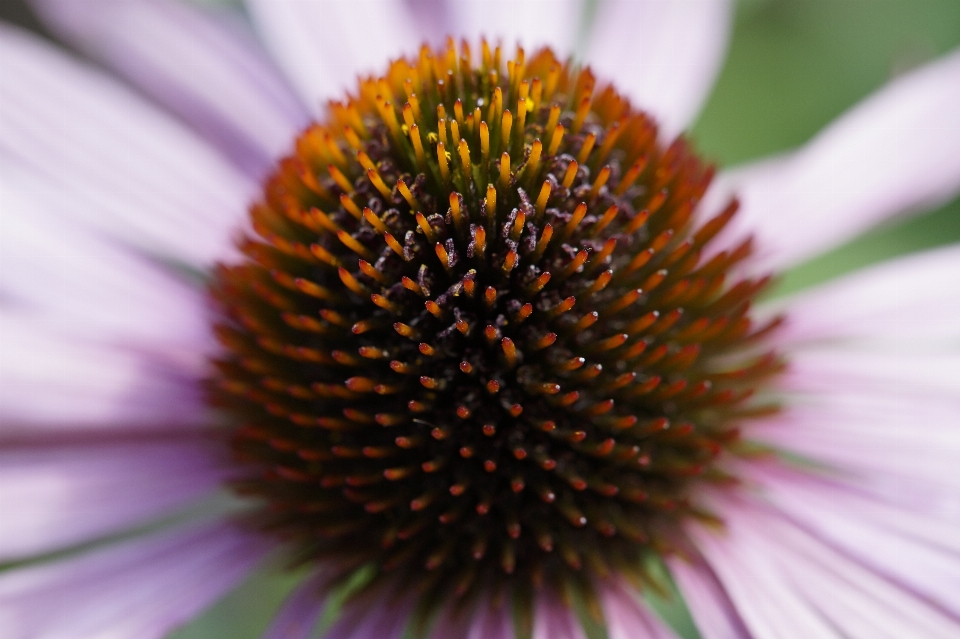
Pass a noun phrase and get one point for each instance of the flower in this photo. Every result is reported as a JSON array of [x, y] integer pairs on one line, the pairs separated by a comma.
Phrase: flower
[[113, 210]]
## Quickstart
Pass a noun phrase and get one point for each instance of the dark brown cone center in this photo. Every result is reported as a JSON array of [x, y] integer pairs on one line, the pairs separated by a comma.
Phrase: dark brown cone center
[[480, 339]]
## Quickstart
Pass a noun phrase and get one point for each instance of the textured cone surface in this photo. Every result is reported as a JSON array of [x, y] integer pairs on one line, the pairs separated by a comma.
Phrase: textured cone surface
[[480, 341]]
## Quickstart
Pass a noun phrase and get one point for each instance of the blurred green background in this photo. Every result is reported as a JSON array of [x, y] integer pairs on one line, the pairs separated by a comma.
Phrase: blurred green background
[[793, 66]]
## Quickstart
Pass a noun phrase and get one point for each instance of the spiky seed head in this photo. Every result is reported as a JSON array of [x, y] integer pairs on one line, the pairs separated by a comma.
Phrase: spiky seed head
[[481, 340]]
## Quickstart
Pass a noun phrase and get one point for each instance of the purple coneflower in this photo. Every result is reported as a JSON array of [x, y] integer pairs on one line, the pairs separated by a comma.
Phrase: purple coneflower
[[478, 348]]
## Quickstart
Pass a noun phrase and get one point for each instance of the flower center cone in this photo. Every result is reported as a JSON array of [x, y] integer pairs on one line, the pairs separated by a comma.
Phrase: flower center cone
[[480, 343]]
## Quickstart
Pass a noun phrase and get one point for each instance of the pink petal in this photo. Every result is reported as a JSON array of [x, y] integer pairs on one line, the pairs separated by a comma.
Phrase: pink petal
[[775, 570], [324, 44], [933, 373], [56, 384], [141, 588], [912, 299], [894, 436], [491, 623], [486, 621], [884, 412], [60, 493], [904, 537], [664, 54], [300, 612], [715, 615], [203, 65], [530, 23], [367, 619], [894, 153], [73, 282], [136, 175], [553, 620], [768, 605], [874, 415], [96, 336], [628, 618], [434, 18]]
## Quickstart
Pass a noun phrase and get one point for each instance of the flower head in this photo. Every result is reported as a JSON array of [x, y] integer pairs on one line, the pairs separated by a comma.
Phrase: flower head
[[490, 354], [479, 340]]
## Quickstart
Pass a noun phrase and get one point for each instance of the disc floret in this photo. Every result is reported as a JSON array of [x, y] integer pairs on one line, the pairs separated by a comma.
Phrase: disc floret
[[480, 342]]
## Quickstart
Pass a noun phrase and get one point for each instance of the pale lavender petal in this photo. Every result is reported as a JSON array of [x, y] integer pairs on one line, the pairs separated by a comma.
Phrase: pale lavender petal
[[367, 619], [805, 580], [553, 620], [715, 615], [300, 612], [76, 283], [137, 175], [530, 23], [488, 620], [767, 603], [907, 300], [903, 535], [492, 623], [894, 153], [832, 369], [879, 417], [55, 384], [886, 409], [55, 494], [434, 18], [898, 436], [664, 54], [627, 617], [325, 44], [141, 588], [204, 65]]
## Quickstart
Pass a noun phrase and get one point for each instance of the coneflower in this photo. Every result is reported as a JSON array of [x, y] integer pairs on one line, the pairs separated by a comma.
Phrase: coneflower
[[480, 342], [490, 361]]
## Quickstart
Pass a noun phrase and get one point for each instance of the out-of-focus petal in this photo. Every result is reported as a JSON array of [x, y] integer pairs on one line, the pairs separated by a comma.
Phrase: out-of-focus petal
[[907, 535], [141, 588], [485, 621], [628, 618], [300, 612], [894, 153], [55, 494], [94, 336], [879, 422], [715, 615], [553, 620], [664, 54], [872, 434], [372, 619], [134, 174], [912, 299], [324, 44], [833, 370], [58, 384], [433, 18], [203, 65], [530, 23], [781, 575], [760, 594], [77, 283]]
